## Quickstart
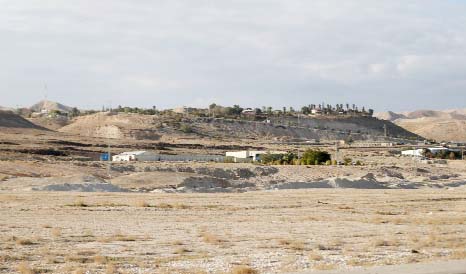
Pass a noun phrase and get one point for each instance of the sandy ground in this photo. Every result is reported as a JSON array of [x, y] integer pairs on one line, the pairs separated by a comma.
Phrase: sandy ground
[[265, 231], [450, 267]]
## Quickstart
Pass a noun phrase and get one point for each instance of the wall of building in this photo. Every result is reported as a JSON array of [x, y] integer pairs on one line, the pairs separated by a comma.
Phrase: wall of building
[[177, 158]]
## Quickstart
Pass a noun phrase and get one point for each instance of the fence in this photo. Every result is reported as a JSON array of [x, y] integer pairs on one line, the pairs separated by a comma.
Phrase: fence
[[182, 158]]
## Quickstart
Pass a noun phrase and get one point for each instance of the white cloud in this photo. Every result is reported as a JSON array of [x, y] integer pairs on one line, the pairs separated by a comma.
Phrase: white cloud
[[254, 52]]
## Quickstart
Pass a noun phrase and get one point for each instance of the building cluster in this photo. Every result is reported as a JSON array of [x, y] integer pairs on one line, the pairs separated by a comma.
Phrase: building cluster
[[424, 152], [148, 156], [338, 109], [312, 110]]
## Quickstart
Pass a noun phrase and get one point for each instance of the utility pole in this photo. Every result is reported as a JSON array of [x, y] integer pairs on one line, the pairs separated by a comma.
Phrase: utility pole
[[336, 151], [109, 162]]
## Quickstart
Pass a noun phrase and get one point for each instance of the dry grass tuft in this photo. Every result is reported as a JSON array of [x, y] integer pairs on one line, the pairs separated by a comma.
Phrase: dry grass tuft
[[79, 203], [24, 242], [292, 244], [244, 270], [381, 243], [211, 238], [52, 260], [173, 206], [86, 252], [56, 232], [99, 259], [315, 257], [142, 203], [24, 268], [111, 269], [182, 251], [458, 255], [77, 259], [118, 237], [325, 266], [177, 242], [80, 271]]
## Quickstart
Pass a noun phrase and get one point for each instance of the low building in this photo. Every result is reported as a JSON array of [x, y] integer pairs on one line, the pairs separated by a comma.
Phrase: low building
[[146, 156], [249, 111], [372, 144], [413, 153], [183, 110], [246, 155], [135, 156], [316, 111], [422, 151]]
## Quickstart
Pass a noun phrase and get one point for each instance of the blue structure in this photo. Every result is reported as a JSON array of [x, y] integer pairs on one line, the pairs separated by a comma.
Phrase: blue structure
[[104, 157]]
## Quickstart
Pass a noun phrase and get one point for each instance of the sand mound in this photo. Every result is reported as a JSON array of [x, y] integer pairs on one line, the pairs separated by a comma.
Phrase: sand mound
[[86, 187], [366, 182], [12, 120], [115, 126], [80, 183]]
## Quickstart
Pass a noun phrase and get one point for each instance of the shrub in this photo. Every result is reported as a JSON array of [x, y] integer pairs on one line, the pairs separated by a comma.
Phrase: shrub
[[315, 157], [288, 158], [186, 129], [244, 270], [347, 161]]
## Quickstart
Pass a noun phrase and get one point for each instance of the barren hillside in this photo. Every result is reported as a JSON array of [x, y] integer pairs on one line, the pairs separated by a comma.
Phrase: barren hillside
[[153, 127], [449, 125], [52, 123], [11, 120], [115, 126]]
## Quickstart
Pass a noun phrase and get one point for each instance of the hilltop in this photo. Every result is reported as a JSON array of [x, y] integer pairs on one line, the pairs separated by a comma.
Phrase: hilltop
[[447, 125], [154, 127], [49, 106]]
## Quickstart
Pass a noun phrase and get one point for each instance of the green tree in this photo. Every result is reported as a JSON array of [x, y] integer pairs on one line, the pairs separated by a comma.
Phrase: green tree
[[74, 112], [305, 110], [315, 157]]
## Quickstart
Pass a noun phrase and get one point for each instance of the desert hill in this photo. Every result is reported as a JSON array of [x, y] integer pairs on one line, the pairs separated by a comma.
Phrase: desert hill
[[153, 127], [115, 126], [50, 106], [448, 125], [389, 116], [11, 120]]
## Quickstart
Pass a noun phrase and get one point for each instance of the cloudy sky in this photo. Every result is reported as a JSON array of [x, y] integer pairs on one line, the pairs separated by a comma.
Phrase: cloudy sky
[[385, 54]]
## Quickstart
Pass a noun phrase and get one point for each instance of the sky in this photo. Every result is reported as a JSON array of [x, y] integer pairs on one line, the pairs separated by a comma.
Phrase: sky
[[385, 54]]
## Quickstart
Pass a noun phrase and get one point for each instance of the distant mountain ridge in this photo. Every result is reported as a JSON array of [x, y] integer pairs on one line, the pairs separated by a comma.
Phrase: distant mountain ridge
[[446, 125]]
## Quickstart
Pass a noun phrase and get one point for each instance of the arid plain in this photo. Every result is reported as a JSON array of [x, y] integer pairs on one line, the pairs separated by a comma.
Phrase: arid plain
[[63, 211], [254, 232]]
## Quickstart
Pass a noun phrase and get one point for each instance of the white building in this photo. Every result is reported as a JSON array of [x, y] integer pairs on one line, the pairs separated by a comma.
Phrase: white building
[[134, 156], [433, 150], [249, 155], [413, 153]]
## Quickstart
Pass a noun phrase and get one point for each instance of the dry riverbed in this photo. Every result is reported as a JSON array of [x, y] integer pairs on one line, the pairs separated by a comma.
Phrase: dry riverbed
[[254, 232]]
